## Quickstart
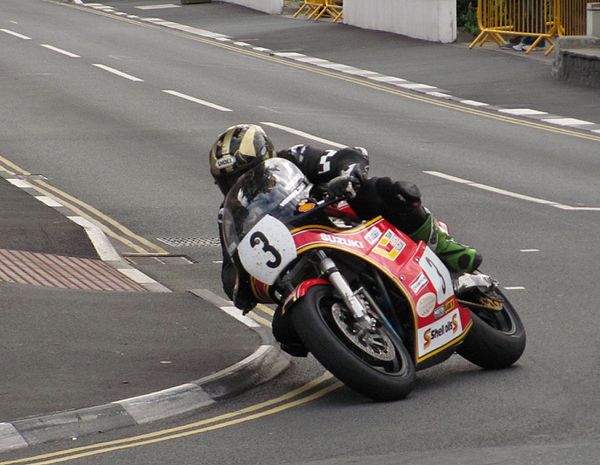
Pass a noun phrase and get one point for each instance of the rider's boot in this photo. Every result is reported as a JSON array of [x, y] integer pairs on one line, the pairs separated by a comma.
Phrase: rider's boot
[[456, 256]]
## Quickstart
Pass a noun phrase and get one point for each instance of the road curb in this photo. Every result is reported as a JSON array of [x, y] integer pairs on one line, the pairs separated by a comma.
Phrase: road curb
[[264, 364]]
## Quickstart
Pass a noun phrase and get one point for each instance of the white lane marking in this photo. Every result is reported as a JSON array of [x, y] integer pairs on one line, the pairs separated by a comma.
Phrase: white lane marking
[[237, 314], [242, 44], [289, 54], [387, 79], [157, 7], [118, 73], [14, 22], [597, 131], [509, 193], [439, 94], [262, 49], [414, 85], [360, 72], [529, 250], [48, 201], [197, 100], [16, 34], [20, 183], [522, 111], [60, 50], [514, 288], [217, 261], [311, 60], [152, 20], [567, 121], [304, 134], [133, 16], [474, 103]]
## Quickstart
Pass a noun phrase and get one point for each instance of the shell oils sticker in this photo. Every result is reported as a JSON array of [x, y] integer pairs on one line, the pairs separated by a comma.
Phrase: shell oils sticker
[[305, 205], [440, 333], [389, 246]]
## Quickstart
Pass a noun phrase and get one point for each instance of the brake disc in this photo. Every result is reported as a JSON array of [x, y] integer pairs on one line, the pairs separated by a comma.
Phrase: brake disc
[[373, 342]]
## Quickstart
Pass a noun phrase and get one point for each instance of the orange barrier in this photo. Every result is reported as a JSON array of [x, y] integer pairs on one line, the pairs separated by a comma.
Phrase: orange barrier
[[540, 19], [316, 9]]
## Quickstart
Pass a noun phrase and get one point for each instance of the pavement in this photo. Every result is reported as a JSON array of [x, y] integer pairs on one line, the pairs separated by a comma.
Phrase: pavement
[[89, 346], [86, 348]]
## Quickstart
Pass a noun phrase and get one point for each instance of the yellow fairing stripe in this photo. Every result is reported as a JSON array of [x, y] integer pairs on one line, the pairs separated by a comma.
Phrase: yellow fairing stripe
[[337, 230]]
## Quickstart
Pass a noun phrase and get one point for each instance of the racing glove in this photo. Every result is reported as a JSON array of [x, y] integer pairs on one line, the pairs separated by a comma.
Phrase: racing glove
[[347, 184], [242, 296]]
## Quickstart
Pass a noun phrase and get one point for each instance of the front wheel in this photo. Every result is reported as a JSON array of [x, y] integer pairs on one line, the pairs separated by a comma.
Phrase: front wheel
[[497, 338], [373, 364]]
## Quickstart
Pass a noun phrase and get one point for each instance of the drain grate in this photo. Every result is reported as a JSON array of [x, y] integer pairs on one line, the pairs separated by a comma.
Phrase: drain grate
[[190, 241]]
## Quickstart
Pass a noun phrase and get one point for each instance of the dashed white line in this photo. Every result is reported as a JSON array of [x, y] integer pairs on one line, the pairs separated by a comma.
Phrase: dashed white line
[[522, 111], [414, 85], [16, 34], [197, 100], [20, 183], [303, 134], [235, 313], [529, 250], [514, 288], [390, 79], [509, 193], [474, 103], [439, 94], [157, 7], [60, 50], [567, 121], [136, 275], [118, 73], [48, 201]]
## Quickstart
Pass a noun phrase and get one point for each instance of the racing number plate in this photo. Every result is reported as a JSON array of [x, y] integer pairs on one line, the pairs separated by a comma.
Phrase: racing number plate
[[267, 249]]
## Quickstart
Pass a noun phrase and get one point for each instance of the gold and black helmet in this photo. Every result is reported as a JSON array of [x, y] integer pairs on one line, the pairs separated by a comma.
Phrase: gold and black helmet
[[238, 149]]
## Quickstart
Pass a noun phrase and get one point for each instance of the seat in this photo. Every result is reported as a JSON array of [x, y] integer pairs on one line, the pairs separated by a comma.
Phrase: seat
[[332, 8], [311, 8]]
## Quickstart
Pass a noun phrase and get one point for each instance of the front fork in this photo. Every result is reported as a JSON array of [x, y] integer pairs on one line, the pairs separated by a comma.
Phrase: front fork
[[354, 304]]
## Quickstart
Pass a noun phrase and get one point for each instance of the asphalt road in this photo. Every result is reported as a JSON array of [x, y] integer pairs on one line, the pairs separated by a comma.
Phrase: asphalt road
[[139, 155]]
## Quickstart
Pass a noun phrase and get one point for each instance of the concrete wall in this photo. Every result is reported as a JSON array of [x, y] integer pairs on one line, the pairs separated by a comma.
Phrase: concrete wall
[[433, 20], [274, 7]]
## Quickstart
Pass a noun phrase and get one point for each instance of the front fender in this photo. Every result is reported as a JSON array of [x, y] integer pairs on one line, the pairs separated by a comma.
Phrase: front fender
[[300, 291]]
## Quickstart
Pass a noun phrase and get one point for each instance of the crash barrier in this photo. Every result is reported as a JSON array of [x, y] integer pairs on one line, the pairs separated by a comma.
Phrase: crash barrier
[[539, 19], [316, 9]]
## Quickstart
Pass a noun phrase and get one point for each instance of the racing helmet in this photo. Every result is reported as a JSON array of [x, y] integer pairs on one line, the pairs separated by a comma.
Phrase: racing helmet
[[237, 150]]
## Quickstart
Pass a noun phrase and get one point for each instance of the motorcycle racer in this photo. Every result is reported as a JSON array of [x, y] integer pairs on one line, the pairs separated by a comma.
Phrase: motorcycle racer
[[340, 172]]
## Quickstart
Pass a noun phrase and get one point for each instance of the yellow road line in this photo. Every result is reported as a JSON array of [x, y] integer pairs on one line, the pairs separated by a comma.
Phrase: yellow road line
[[104, 217], [265, 309], [352, 79], [68, 201], [260, 319], [180, 431]]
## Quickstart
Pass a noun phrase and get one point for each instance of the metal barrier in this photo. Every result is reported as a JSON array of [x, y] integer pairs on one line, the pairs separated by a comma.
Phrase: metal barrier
[[540, 19], [316, 9]]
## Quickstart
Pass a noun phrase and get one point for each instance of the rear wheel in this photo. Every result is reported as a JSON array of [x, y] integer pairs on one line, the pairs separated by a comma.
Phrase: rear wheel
[[497, 338], [373, 362]]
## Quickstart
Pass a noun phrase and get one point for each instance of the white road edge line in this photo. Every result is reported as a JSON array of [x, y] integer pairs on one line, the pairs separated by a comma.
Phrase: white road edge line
[[117, 72], [303, 134], [509, 193], [16, 34], [60, 50], [237, 314], [197, 100]]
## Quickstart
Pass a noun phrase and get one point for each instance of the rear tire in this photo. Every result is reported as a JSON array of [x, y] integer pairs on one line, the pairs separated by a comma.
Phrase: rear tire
[[497, 338], [383, 370]]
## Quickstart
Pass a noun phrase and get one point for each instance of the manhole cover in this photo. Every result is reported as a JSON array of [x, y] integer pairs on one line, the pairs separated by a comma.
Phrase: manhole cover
[[190, 241]]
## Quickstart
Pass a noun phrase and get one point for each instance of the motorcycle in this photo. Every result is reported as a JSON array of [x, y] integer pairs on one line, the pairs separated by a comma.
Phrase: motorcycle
[[368, 302]]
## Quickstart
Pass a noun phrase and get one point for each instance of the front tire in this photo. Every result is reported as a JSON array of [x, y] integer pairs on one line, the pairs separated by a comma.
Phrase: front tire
[[379, 368], [497, 338]]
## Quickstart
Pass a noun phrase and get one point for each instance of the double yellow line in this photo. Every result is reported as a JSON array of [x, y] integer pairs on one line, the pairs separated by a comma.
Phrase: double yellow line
[[110, 227], [295, 398]]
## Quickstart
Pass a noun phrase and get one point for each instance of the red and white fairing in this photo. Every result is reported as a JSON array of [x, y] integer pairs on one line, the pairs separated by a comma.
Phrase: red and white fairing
[[413, 267]]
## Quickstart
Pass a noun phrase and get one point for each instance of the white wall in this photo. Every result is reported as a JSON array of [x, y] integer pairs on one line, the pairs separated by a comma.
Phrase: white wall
[[274, 7], [433, 20]]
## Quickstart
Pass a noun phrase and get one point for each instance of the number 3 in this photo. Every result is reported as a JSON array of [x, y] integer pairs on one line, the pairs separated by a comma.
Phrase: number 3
[[259, 238]]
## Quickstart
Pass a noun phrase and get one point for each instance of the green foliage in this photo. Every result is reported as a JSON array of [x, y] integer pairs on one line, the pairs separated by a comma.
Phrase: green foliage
[[466, 14]]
